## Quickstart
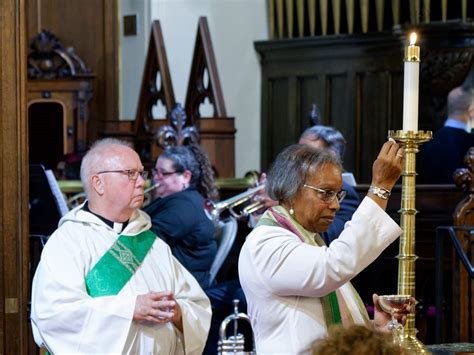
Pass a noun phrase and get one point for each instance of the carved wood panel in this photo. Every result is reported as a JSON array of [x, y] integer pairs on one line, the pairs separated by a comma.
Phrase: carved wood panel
[[91, 27]]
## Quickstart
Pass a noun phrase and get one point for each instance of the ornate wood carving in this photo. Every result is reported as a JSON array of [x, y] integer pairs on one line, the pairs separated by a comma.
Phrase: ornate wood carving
[[216, 132], [204, 80], [176, 133], [464, 216], [49, 59], [156, 88]]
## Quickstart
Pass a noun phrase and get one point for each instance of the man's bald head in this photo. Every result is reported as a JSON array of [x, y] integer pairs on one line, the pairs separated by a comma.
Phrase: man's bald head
[[459, 103]]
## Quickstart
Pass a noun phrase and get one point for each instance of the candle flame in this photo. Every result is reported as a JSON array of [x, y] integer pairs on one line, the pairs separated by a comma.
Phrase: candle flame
[[412, 39]]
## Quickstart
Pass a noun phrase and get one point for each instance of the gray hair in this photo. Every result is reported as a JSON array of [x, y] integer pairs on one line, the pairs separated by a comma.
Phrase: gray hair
[[95, 158], [291, 167], [330, 136]]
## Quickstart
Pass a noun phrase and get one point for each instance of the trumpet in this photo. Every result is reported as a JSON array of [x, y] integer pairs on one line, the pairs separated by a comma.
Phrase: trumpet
[[213, 209], [233, 345]]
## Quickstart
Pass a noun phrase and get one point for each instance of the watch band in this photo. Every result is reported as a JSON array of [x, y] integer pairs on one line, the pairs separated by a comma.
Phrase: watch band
[[380, 192]]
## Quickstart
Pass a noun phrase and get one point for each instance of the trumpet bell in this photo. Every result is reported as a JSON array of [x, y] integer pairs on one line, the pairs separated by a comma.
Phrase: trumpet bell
[[213, 210], [234, 344]]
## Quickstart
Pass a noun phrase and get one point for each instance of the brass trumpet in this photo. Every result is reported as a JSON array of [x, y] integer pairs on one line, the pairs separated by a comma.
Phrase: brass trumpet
[[214, 209], [233, 345]]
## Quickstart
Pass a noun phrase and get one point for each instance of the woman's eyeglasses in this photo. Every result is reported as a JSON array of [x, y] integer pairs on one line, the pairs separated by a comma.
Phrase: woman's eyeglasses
[[328, 196], [163, 173], [132, 174]]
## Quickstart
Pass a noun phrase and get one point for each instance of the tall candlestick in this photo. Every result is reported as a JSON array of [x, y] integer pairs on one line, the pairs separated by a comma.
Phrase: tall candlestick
[[410, 85]]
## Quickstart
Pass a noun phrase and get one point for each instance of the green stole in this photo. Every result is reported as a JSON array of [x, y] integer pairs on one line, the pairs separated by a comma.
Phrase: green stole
[[334, 306], [116, 267]]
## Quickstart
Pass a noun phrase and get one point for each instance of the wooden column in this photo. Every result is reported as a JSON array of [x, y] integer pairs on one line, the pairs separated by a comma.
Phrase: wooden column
[[14, 180]]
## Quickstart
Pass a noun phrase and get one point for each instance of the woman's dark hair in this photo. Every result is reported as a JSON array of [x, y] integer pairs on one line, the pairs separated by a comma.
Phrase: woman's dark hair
[[291, 167], [194, 158]]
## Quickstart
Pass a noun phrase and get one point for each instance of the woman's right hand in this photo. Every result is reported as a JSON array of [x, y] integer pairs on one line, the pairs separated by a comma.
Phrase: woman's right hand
[[388, 166]]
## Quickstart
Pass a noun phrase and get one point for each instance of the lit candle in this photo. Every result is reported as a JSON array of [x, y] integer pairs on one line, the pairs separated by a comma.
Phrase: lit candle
[[410, 85]]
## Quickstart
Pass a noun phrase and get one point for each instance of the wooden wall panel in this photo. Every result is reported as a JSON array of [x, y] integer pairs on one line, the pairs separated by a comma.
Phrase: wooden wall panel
[[13, 180], [349, 74], [90, 27]]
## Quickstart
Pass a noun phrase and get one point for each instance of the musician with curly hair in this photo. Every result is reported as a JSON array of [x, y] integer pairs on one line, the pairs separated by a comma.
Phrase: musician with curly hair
[[185, 179]]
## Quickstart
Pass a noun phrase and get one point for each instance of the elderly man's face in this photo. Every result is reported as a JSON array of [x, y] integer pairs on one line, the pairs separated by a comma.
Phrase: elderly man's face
[[120, 191], [311, 211]]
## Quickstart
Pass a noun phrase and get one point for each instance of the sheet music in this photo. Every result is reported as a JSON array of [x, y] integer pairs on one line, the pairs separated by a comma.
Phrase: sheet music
[[349, 179], [58, 195]]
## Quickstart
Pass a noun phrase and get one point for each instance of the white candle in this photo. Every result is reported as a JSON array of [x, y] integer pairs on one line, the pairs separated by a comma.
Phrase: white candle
[[410, 85]]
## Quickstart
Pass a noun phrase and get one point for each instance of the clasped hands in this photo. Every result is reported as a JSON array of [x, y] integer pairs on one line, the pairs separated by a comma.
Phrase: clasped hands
[[158, 308]]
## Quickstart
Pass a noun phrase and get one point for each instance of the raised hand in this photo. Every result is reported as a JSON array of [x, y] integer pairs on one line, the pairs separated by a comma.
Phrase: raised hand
[[388, 166]]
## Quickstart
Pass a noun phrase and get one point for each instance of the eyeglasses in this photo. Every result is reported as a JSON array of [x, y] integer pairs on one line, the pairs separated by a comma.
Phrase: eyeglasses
[[328, 196], [163, 173], [132, 174]]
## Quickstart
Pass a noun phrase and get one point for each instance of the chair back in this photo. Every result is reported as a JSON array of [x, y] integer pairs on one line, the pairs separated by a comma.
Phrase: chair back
[[226, 231]]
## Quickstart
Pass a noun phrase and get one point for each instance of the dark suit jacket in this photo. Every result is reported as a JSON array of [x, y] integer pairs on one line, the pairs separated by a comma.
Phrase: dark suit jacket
[[347, 208], [179, 219], [441, 156]]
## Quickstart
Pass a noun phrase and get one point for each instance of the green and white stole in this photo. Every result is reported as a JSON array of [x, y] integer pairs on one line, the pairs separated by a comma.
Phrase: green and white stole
[[334, 306], [117, 266]]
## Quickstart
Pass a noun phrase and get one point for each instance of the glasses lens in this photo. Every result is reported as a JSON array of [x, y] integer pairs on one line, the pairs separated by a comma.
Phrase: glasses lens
[[144, 174], [341, 194]]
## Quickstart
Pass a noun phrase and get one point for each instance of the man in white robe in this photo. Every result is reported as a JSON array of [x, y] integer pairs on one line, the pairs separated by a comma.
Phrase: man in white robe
[[156, 308]]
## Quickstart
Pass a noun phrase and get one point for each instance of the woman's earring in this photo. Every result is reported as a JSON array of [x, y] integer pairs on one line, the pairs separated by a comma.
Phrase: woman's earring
[[292, 211]]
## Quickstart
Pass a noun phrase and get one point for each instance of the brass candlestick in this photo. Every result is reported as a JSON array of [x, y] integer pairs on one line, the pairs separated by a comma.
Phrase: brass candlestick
[[409, 140]]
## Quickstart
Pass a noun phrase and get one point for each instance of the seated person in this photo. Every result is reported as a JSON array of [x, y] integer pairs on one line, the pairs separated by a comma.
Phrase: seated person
[[186, 179], [105, 283], [440, 157], [297, 287]]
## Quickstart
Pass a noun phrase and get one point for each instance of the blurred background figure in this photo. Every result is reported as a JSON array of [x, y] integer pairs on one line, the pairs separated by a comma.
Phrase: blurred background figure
[[185, 181], [441, 156], [356, 339]]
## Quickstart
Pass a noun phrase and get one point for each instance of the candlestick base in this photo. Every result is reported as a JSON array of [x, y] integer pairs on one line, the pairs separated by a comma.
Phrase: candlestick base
[[411, 344]]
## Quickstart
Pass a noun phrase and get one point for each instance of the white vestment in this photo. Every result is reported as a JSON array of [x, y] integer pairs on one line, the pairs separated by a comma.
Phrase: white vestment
[[65, 319], [284, 278]]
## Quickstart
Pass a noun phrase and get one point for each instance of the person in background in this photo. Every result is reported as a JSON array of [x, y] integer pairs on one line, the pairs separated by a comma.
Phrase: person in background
[[441, 156], [325, 137], [105, 283], [356, 339], [185, 180], [295, 285]]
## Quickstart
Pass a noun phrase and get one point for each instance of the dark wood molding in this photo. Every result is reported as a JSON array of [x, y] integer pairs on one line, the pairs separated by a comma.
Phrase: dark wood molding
[[14, 245]]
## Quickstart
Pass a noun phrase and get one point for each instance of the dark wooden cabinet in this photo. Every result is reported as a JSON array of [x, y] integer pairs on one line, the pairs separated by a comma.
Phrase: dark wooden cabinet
[[58, 117]]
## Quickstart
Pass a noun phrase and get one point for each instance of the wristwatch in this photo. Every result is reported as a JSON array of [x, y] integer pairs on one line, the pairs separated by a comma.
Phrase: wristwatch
[[380, 192]]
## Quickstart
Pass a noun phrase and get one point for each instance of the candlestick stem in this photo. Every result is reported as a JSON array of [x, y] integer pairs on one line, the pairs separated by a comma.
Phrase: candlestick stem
[[410, 142]]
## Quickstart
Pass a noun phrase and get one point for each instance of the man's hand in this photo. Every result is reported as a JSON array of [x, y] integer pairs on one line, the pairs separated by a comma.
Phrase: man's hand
[[159, 308]]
